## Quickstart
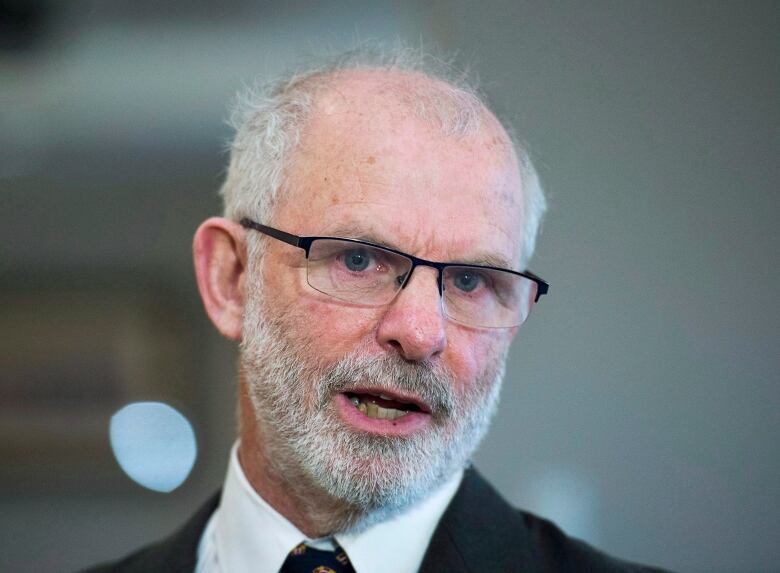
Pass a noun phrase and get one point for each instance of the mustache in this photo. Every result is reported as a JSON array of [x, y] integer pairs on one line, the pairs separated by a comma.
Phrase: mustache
[[432, 384]]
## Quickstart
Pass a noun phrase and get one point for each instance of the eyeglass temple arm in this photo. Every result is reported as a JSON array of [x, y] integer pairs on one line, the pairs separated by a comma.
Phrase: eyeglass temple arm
[[288, 238], [541, 285]]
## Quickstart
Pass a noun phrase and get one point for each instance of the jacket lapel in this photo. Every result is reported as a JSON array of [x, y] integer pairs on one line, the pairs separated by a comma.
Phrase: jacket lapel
[[479, 531]]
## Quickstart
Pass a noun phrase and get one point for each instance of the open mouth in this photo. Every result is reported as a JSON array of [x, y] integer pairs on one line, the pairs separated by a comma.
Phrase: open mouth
[[381, 406]]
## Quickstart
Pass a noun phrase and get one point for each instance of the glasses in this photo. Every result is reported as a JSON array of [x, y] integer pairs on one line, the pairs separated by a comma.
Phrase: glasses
[[363, 273]]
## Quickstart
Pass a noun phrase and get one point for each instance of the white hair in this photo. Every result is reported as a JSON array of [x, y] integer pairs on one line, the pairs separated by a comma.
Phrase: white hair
[[269, 118]]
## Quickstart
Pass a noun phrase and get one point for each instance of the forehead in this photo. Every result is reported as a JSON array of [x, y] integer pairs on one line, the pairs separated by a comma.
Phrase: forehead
[[368, 165]]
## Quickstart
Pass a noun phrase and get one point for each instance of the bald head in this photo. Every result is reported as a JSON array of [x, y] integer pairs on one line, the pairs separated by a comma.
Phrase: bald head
[[401, 93]]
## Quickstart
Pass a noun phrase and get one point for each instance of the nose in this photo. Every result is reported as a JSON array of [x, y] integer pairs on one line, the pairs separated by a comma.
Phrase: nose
[[413, 324]]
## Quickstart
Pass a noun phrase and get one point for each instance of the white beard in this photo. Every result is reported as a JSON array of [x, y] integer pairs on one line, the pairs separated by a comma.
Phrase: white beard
[[375, 476]]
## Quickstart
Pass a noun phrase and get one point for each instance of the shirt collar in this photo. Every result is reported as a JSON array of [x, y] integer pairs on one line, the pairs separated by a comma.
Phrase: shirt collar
[[249, 532], [398, 544], [250, 535]]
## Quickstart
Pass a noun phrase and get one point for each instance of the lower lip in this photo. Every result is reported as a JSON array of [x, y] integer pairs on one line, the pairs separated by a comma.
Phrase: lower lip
[[403, 426]]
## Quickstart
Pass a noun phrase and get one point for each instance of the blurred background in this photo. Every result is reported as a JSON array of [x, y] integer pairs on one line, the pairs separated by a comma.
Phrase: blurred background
[[641, 407]]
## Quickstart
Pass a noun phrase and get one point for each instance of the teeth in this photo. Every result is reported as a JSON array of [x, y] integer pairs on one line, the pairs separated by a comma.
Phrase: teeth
[[373, 410], [385, 397], [392, 413]]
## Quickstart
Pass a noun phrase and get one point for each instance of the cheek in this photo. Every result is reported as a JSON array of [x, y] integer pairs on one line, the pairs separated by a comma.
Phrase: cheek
[[321, 326], [332, 329], [471, 353]]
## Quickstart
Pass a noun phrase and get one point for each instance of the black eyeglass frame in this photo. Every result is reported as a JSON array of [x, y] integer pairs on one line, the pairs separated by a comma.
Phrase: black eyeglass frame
[[542, 287]]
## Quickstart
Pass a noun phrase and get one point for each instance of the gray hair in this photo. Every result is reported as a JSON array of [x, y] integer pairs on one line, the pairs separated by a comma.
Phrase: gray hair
[[269, 119]]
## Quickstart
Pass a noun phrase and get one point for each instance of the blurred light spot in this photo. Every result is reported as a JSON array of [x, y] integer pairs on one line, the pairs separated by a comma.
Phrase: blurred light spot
[[567, 498], [154, 444]]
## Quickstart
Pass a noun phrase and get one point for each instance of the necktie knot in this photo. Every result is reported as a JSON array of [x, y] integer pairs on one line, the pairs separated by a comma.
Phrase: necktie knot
[[305, 559]]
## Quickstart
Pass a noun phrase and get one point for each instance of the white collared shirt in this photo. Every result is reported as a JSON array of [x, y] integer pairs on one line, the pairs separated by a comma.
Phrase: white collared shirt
[[245, 534]]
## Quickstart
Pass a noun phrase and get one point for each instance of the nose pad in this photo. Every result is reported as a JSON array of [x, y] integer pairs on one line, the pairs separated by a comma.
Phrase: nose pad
[[405, 278]]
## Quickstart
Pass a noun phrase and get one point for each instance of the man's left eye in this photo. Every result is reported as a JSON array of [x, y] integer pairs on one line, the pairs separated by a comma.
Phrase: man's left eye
[[467, 281]]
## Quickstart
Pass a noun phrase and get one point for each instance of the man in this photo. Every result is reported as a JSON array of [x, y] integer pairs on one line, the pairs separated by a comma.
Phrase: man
[[370, 264]]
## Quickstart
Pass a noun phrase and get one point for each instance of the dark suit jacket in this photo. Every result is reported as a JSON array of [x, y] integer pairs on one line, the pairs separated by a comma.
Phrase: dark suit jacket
[[479, 533]]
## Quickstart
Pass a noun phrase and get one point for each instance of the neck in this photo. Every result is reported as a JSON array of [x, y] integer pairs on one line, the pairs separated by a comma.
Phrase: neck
[[280, 481]]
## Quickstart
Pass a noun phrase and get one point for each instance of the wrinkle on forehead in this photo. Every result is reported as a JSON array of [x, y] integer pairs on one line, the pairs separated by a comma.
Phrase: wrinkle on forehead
[[366, 166], [369, 174]]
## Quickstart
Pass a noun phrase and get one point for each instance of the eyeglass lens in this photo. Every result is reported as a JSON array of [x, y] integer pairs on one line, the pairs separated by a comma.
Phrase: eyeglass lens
[[354, 272]]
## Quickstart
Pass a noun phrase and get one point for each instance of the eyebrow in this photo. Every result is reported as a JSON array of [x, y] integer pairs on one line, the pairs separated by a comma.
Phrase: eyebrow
[[360, 233], [490, 260], [357, 231]]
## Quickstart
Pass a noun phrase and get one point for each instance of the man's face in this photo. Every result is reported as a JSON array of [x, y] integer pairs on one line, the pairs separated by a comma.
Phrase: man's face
[[366, 169]]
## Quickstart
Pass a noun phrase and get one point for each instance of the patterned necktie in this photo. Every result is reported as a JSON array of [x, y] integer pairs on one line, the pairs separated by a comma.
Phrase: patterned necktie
[[305, 559]]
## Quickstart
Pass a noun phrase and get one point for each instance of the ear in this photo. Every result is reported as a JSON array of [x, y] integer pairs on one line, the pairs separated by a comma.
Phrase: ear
[[219, 251]]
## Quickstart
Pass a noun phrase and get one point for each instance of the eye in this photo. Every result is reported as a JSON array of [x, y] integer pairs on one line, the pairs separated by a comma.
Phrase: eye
[[356, 260], [467, 280]]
